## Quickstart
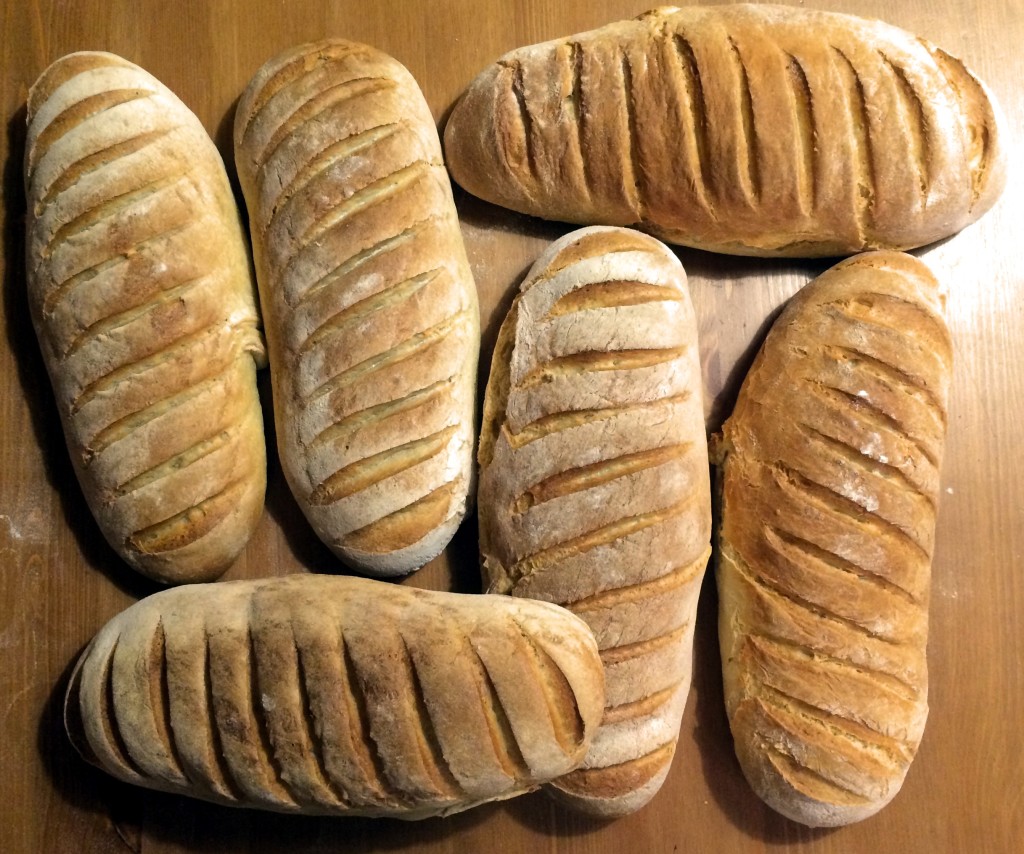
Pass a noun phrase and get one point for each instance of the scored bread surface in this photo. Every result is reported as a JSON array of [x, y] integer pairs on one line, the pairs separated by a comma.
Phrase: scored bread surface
[[830, 483], [368, 301], [321, 694], [142, 297], [594, 485], [755, 130]]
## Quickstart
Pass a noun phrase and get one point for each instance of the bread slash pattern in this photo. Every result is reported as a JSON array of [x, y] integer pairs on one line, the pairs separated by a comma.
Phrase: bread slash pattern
[[594, 485], [748, 129], [830, 483], [336, 695], [369, 303], [142, 297]]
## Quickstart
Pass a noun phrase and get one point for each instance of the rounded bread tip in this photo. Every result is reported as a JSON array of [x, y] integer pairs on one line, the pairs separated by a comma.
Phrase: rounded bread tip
[[781, 796]]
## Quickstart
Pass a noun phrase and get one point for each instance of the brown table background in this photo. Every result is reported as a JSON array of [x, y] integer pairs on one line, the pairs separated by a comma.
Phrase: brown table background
[[59, 581]]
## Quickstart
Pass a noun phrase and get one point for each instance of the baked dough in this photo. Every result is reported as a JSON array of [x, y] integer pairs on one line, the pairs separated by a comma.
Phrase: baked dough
[[594, 486], [830, 485], [142, 296], [337, 695], [369, 304], [746, 129]]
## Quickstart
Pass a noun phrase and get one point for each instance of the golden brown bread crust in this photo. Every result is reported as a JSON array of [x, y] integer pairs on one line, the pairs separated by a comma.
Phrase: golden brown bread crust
[[754, 130], [321, 694], [368, 300], [830, 483], [594, 485], [142, 297]]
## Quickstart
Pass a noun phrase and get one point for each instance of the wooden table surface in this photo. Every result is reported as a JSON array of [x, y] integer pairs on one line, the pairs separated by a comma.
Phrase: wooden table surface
[[60, 582]]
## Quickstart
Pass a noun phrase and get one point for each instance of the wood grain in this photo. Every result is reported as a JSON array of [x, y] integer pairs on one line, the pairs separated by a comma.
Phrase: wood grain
[[61, 582]]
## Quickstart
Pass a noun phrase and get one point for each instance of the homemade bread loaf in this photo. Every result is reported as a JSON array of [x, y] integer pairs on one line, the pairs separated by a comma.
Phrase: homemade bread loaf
[[594, 485], [141, 293], [368, 300], [320, 694], [754, 130], [830, 481]]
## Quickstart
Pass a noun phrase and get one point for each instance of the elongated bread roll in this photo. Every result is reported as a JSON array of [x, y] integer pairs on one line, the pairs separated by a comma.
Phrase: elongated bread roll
[[320, 694], [368, 300], [142, 297], [594, 487], [754, 130], [830, 478]]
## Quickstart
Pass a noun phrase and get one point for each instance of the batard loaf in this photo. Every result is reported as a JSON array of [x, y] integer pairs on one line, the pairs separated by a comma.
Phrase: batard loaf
[[368, 301], [320, 694], [142, 296], [594, 486], [830, 481], [754, 130]]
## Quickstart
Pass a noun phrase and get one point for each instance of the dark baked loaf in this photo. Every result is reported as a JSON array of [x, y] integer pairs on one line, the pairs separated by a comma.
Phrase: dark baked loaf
[[748, 129], [142, 296], [594, 486], [322, 694], [830, 484], [368, 301]]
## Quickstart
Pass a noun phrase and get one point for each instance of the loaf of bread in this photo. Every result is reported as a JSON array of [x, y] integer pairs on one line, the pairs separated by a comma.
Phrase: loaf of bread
[[142, 296], [830, 481], [321, 694], [746, 129], [368, 301], [594, 486]]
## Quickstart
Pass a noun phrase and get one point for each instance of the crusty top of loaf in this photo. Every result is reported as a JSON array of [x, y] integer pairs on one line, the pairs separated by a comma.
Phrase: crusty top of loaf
[[369, 302], [749, 129], [141, 293], [830, 486], [594, 485], [322, 694], [594, 390]]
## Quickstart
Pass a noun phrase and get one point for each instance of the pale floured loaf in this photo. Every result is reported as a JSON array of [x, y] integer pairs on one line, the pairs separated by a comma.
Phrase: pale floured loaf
[[746, 129], [368, 301], [336, 695], [830, 485], [594, 486], [141, 294]]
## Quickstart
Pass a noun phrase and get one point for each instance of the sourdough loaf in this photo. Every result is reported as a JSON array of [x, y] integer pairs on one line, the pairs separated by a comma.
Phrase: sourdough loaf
[[830, 482], [368, 301], [320, 694], [142, 297], [755, 130], [594, 487]]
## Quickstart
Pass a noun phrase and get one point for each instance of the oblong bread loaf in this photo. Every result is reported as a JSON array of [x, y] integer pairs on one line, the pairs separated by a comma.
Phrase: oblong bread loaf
[[321, 694], [368, 300], [830, 483], [746, 129], [143, 300], [594, 485]]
